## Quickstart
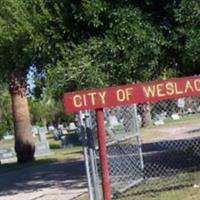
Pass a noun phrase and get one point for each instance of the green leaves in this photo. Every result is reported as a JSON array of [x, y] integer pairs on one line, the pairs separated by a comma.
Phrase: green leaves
[[77, 70], [91, 12], [5, 109], [188, 33], [130, 39], [16, 34], [188, 12], [84, 44]]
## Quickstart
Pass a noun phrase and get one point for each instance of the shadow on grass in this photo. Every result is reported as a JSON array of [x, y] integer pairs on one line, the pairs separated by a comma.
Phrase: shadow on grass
[[47, 174], [5, 168]]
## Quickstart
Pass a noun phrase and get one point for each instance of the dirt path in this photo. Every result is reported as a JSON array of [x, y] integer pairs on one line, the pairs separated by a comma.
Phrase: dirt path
[[62, 180], [184, 131]]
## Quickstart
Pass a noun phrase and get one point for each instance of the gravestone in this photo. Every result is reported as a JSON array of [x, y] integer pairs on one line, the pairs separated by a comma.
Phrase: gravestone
[[51, 128], [159, 122], [159, 119], [181, 102], [34, 130], [181, 105], [69, 140], [42, 147], [8, 136], [42, 131], [113, 121], [175, 116], [72, 126], [7, 155], [114, 126], [56, 134]]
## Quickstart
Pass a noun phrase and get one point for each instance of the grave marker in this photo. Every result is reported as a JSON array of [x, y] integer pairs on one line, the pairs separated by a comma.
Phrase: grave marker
[[42, 147], [7, 155]]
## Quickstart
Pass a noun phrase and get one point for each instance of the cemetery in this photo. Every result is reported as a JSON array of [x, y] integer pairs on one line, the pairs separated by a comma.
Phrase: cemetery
[[109, 87], [140, 158], [59, 138]]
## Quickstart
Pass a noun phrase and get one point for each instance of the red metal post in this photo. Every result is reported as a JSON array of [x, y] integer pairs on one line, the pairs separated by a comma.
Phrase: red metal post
[[103, 154]]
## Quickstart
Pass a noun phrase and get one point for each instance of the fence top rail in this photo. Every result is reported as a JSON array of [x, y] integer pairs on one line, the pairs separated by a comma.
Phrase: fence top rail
[[152, 91]]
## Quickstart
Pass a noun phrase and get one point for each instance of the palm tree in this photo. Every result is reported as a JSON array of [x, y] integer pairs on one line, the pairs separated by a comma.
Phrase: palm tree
[[24, 143]]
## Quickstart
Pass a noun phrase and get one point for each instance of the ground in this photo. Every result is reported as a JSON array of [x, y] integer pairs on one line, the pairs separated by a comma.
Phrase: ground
[[61, 180], [62, 175]]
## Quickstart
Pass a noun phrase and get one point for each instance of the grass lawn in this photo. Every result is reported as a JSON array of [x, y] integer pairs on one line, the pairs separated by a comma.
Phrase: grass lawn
[[186, 119], [180, 186], [160, 189], [59, 153], [180, 194], [147, 134]]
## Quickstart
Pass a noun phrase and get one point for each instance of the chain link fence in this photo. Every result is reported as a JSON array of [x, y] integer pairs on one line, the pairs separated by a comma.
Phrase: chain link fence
[[153, 150]]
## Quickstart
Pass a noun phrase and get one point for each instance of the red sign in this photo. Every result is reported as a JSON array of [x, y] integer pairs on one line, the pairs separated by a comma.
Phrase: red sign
[[132, 93]]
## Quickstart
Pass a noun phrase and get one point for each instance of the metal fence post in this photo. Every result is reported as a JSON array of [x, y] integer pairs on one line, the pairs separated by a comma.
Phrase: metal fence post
[[92, 157], [85, 153], [137, 129]]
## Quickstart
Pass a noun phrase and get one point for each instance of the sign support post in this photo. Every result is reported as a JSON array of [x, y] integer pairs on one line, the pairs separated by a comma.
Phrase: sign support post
[[103, 154]]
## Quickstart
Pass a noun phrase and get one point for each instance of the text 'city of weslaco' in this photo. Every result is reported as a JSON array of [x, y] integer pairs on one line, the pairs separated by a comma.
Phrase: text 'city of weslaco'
[[133, 93]]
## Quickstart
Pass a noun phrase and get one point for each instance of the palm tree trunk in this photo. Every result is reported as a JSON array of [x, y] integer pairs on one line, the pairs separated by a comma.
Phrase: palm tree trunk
[[24, 143]]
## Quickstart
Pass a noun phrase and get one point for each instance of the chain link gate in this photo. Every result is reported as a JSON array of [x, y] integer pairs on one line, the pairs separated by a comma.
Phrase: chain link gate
[[148, 145], [124, 149], [164, 158]]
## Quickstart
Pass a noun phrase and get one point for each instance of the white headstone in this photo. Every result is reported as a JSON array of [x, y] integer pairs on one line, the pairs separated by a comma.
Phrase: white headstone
[[72, 126], [42, 130], [7, 155], [159, 122], [51, 128], [181, 102], [175, 116], [60, 126], [42, 133], [42, 148], [34, 130], [8, 137], [64, 131], [113, 121]]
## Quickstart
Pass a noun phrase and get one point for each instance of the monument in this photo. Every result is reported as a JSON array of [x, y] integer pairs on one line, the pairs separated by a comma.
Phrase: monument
[[7, 155], [42, 147]]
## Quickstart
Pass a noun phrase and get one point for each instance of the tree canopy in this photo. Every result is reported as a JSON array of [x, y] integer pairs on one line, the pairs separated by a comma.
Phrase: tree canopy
[[83, 44], [188, 35], [95, 43], [115, 42]]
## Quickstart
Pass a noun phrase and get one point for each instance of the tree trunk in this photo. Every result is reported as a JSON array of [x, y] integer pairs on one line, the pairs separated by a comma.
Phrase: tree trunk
[[24, 143], [146, 115]]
